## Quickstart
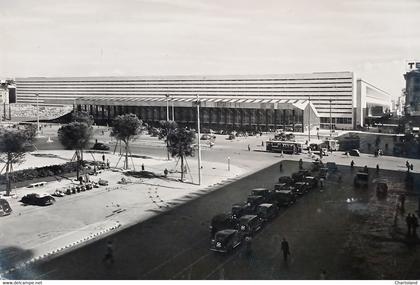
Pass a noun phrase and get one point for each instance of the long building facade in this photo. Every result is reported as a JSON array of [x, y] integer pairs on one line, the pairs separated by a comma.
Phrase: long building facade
[[333, 94]]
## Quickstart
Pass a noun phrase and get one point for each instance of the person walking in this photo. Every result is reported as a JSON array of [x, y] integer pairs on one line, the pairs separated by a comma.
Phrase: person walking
[[352, 164], [109, 256], [249, 147], [286, 249], [103, 158], [377, 168], [165, 172], [142, 167], [408, 222], [407, 164], [411, 167]]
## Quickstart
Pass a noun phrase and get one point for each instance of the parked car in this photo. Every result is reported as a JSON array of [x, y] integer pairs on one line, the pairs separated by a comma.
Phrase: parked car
[[302, 187], [312, 181], [222, 222], [286, 179], [264, 192], [88, 186], [267, 212], [354, 152], [284, 198], [103, 182], [58, 193], [300, 175], [37, 199], [249, 224], [100, 146], [5, 208], [361, 179], [254, 201], [240, 209], [225, 240]]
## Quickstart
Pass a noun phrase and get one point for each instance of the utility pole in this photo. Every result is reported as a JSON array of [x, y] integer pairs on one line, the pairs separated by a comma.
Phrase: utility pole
[[198, 140], [173, 112], [37, 112], [167, 107], [330, 120], [309, 120]]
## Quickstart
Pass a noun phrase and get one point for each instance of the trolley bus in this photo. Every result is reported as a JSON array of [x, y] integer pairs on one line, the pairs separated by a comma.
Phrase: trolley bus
[[285, 146]]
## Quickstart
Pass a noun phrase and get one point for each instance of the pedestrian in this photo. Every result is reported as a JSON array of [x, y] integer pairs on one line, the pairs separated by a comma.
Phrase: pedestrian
[[262, 143], [109, 256], [166, 172], [249, 147], [407, 164], [408, 222], [286, 249], [107, 163], [281, 167], [142, 167], [414, 224], [401, 197], [103, 158], [352, 164], [412, 167], [377, 168], [281, 153]]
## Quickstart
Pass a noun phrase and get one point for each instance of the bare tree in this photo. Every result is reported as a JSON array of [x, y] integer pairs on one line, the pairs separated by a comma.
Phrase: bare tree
[[76, 135], [181, 143], [125, 128]]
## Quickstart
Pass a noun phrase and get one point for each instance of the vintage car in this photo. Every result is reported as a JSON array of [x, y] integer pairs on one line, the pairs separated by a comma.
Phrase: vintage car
[[5, 208], [240, 209], [300, 175], [286, 180], [225, 240], [301, 187], [38, 199], [58, 193], [361, 179], [103, 182], [264, 192], [88, 186], [354, 152], [249, 224], [254, 201], [267, 212], [100, 146], [222, 222], [284, 198], [313, 181]]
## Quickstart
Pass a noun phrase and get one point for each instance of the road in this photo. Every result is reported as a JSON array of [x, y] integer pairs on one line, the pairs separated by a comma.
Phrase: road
[[174, 245]]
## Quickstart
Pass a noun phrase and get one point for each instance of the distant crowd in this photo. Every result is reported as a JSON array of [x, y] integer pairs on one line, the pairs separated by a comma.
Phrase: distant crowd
[[30, 111]]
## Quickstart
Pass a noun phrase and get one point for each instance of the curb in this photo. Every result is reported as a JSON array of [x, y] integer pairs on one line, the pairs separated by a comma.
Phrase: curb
[[58, 250]]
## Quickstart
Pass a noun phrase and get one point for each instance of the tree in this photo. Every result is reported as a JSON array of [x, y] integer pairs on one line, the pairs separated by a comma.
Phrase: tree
[[125, 128], [166, 128], [75, 135], [181, 145], [82, 117], [13, 142]]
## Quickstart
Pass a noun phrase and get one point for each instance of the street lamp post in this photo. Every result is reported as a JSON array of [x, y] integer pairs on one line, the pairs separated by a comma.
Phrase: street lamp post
[[309, 120], [330, 120], [167, 107], [198, 139], [37, 112]]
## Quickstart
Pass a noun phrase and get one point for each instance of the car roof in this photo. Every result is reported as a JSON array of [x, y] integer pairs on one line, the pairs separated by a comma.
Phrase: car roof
[[255, 196], [248, 217], [284, 191], [266, 205], [260, 189], [226, 232]]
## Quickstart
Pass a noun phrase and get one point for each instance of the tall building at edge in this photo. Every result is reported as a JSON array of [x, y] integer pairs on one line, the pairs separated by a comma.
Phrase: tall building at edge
[[258, 98]]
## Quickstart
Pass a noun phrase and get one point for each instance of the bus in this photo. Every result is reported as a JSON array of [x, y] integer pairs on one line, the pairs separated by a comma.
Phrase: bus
[[285, 146]]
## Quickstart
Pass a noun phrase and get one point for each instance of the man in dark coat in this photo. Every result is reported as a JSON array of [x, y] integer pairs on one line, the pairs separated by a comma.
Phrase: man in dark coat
[[285, 248]]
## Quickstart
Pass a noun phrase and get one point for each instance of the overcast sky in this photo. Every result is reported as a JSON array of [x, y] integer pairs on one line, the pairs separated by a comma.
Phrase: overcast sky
[[373, 38]]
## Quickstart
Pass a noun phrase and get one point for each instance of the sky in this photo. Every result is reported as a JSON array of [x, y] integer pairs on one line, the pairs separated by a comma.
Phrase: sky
[[373, 38]]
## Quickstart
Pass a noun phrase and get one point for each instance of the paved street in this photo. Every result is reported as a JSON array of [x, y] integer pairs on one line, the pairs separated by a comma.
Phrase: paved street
[[322, 228]]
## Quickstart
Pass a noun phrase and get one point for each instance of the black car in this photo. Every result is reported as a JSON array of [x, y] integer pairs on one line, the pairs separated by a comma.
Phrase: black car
[[225, 240], [264, 192], [354, 152], [302, 187], [5, 209], [100, 146], [312, 181], [250, 224], [284, 198], [222, 222], [300, 175], [240, 209], [286, 179], [38, 200], [254, 201], [267, 212]]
